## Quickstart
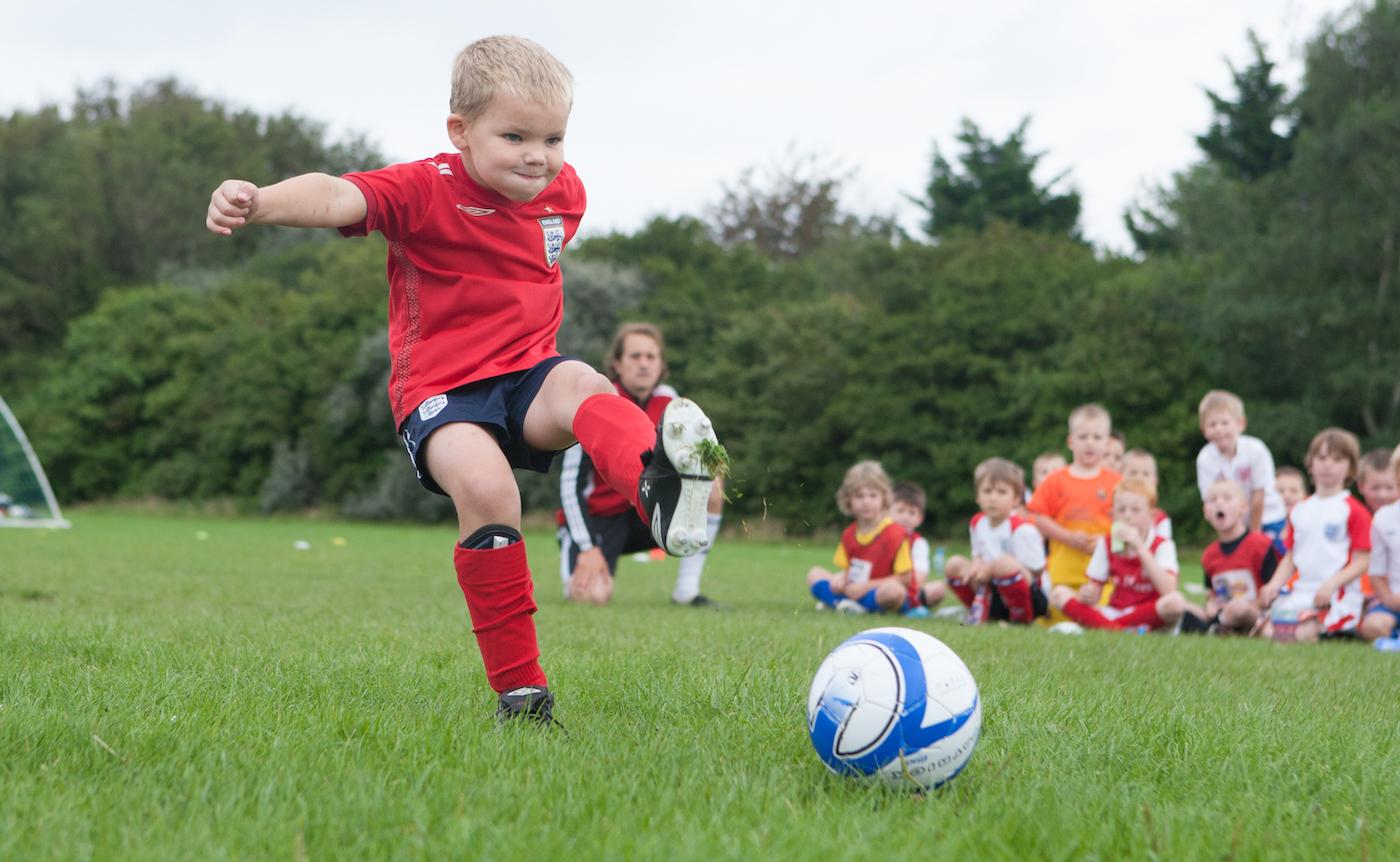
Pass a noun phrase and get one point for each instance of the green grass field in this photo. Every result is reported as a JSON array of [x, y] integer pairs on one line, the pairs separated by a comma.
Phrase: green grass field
[[194, 688]]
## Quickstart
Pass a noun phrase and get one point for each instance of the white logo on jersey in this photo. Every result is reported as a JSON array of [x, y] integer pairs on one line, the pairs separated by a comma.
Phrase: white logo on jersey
[[475, 211], [553, 228], [432, 407]]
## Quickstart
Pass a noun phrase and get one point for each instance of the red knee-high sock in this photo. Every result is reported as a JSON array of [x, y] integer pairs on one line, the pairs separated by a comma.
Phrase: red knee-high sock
[[615, 432], [1015, 593], [501, 600], [1144, 614], [1086, 615], [963, 590]]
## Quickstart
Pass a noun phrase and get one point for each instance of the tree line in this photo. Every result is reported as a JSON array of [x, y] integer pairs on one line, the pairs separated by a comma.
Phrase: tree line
[[148, 358]]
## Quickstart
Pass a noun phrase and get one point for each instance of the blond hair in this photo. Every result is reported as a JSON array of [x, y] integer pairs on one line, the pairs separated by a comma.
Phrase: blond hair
[[863, 474], [1087, 412], [1336, 441], [1001, 471], [1218, 399], [1136, 486], [507, 64], [619, 343]]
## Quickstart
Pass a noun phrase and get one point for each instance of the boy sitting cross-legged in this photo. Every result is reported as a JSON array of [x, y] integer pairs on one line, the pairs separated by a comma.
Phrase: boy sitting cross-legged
[[1238, 564], [874, 568], [1141, 564], [1002, 579]]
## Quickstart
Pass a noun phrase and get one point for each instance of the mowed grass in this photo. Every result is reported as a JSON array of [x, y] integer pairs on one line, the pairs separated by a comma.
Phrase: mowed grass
[[166, 696]]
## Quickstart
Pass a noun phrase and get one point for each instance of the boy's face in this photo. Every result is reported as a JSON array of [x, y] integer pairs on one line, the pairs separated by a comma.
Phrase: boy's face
[[1329, 470], [1378, 488], [867, 504], [1225, 508], [514, 147], [1291, 489], [1044, 467], [639, 369], [1113, 454], [1088, 441], [1222, 428], [1133, 509], [906, 515], [997, 500], [1141, 468]]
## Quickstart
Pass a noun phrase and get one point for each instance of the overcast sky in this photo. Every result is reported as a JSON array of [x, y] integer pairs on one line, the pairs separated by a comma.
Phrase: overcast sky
[[673, 100]]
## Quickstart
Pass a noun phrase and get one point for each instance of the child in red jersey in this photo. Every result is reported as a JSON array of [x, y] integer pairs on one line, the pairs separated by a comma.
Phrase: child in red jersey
[[1238, 563], [1002, 579], [1141, 564], [475, 302], [874, 568], [907, 511]]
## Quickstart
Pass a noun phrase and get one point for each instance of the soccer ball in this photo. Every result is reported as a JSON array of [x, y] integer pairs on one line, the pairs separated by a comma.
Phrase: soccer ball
[[894, 705]]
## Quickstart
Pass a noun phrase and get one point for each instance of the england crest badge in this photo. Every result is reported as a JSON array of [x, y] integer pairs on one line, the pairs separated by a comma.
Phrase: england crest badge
[[553, 228]]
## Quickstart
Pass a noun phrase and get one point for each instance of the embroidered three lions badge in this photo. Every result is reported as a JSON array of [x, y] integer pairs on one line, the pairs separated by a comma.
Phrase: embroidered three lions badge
[[553, 228]]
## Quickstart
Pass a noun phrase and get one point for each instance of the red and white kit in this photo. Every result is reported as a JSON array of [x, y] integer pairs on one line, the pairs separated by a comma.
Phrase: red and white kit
[[1322, 534], [1239, 568], [1134, 599]]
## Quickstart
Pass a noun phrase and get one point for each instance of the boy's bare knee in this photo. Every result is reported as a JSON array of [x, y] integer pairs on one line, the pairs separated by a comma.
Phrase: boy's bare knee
[[957, 566], [1060, 595], [817, 573], [1171, 606], [935, 592]]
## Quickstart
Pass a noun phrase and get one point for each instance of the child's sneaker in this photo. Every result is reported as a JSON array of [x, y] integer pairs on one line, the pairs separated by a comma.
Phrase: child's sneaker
[[675, 486], [917, 612], [529, 702], [850, 606]]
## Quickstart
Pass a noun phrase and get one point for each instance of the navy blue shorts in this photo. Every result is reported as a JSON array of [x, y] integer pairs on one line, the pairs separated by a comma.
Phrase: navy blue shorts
[[498, 404]]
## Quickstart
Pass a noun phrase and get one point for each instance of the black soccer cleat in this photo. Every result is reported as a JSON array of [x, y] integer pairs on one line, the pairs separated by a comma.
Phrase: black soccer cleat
[[530, 702], [675, 484], [700, 601]]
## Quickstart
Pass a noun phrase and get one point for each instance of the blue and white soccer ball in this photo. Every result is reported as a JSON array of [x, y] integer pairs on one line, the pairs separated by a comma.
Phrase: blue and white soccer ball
[[895, 705]]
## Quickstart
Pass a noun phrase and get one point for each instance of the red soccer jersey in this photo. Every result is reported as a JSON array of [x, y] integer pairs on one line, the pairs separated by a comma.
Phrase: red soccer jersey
[[1131, 586], [474, 284], [1241, 570], [882, 555]]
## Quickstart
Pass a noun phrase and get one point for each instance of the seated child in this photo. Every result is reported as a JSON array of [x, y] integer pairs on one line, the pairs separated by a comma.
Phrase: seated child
[[1383, 613], [908, 512], [1291, 485], [1141, 564], [1238, 563], [1001, 581], [1044, 464], [874, 568], [1139, 464], [1230, 453], [1113, 457], [1328, 539], [1375, 481]]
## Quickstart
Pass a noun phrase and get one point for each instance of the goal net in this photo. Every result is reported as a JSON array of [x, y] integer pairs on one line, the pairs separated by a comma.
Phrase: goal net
[[26, 500]]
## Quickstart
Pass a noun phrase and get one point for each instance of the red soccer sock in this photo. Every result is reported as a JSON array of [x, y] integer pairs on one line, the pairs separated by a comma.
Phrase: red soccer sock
[[1085, 615], [501, 600], [1144, 614], [1015, 593], [615, 432], [963, 590]]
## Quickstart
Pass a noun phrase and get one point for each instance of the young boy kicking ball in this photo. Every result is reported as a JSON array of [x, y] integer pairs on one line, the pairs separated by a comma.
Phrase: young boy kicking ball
[[1002, 579], [475, 302], [1314, 590], [1237, 564], [1141, 565], [874, 568]]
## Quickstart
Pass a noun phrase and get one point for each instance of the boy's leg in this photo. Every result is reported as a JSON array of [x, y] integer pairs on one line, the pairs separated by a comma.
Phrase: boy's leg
[[466, 461], [819, 583], [577, 403], [692, 568], [1089, 616], [956, 570], [1014, 587]]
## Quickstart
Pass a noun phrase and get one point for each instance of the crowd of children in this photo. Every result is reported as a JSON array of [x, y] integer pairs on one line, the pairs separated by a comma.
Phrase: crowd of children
[[1088, 547]]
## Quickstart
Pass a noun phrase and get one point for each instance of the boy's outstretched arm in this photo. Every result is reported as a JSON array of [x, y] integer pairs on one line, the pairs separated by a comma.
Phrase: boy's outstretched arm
[[310, 200]]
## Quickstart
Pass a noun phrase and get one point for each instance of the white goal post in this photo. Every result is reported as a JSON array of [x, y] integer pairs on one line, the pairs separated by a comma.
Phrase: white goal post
[[26, 500]]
